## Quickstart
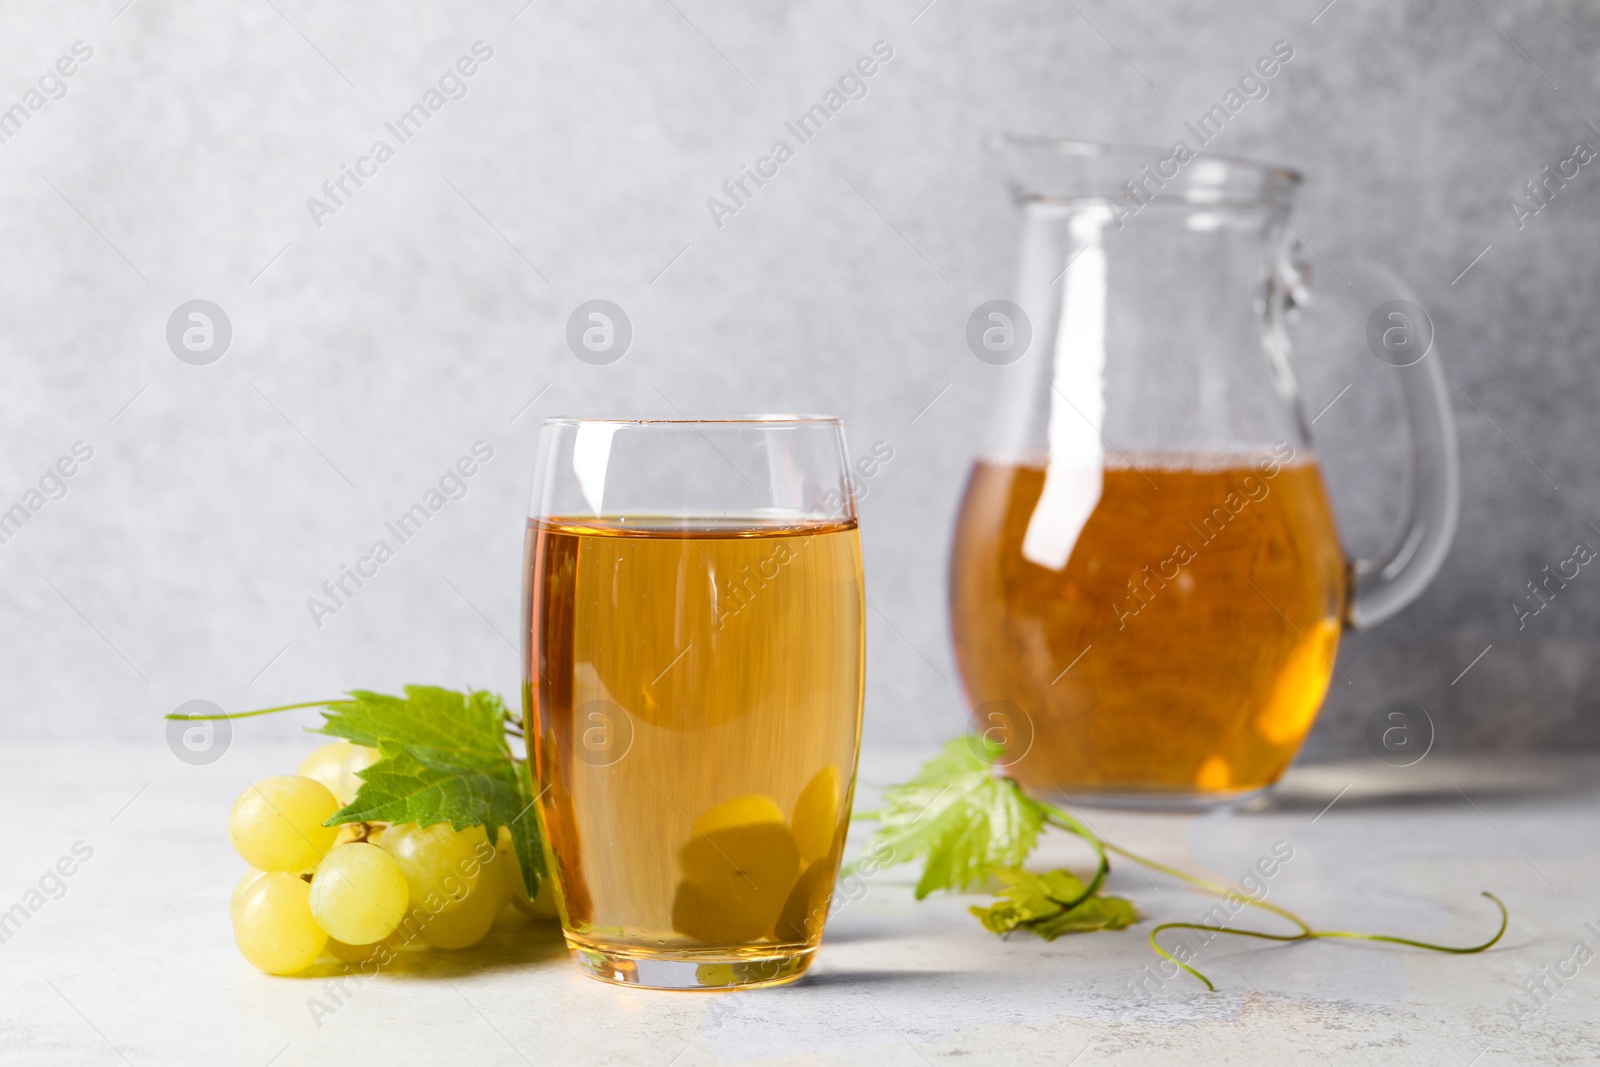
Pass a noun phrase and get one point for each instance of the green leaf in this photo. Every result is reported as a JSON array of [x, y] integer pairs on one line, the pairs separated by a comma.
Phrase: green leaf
[[525, 834], [443, 758], [403, 787], [1026, 897], [427, 717], [1044, 904], [970, 826], [1096, 913], [961, 818]]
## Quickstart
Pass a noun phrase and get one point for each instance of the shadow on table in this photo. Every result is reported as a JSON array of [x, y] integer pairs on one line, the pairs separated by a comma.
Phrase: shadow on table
[[514, 943], [848, 935], [1437, 780], [826, 979]]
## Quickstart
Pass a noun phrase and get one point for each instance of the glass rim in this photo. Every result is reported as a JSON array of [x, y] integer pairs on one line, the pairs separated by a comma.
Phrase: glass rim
[[776, 419], [1068, 146]]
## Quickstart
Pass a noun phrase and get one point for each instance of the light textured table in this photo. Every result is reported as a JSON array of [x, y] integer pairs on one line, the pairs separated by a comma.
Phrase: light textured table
[[135, 963]]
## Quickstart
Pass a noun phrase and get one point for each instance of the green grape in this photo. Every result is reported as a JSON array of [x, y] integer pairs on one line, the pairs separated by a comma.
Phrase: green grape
[[359, 759], [542, 906], [358, 894], [276, 824], [466, 923], [335, 765], [273, 927], [323, 764], [441, 866], [505, 865], [246, 880]]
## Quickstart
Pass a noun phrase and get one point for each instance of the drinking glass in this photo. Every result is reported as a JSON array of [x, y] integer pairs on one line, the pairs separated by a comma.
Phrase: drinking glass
[[695, 657], [1147, 583]]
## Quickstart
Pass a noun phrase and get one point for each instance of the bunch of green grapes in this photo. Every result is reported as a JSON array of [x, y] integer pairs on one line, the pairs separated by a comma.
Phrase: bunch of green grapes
[[359, 891]]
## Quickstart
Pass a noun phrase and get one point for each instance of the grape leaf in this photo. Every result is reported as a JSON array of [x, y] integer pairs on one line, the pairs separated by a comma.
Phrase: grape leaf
[[1096, 913], [962, 819], [426, 717], [970, 825], [1043, 903], [443, 758]]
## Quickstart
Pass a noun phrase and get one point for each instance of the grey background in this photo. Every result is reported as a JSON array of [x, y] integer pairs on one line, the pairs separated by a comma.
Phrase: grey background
[[369, 354]]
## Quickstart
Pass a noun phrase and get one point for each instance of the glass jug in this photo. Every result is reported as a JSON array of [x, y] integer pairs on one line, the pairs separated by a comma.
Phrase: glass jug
[[1147, 584]]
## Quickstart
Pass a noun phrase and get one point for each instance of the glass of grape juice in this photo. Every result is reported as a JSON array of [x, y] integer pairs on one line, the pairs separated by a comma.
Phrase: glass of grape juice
[[693, 685]]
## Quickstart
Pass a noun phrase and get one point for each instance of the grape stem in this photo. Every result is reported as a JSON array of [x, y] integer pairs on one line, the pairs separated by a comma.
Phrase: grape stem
[[1309, 935], [1056, 817], [513, 724], [263, 711]]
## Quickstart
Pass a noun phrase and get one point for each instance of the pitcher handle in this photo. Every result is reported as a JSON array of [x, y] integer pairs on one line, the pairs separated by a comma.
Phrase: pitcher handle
[[1400, 334]]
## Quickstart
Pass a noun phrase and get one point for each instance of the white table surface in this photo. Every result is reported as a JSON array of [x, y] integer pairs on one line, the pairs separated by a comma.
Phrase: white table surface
[[135, 962]]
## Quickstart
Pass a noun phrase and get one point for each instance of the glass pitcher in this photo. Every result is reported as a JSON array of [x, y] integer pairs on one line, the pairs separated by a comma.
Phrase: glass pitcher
[[1147, 583]]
